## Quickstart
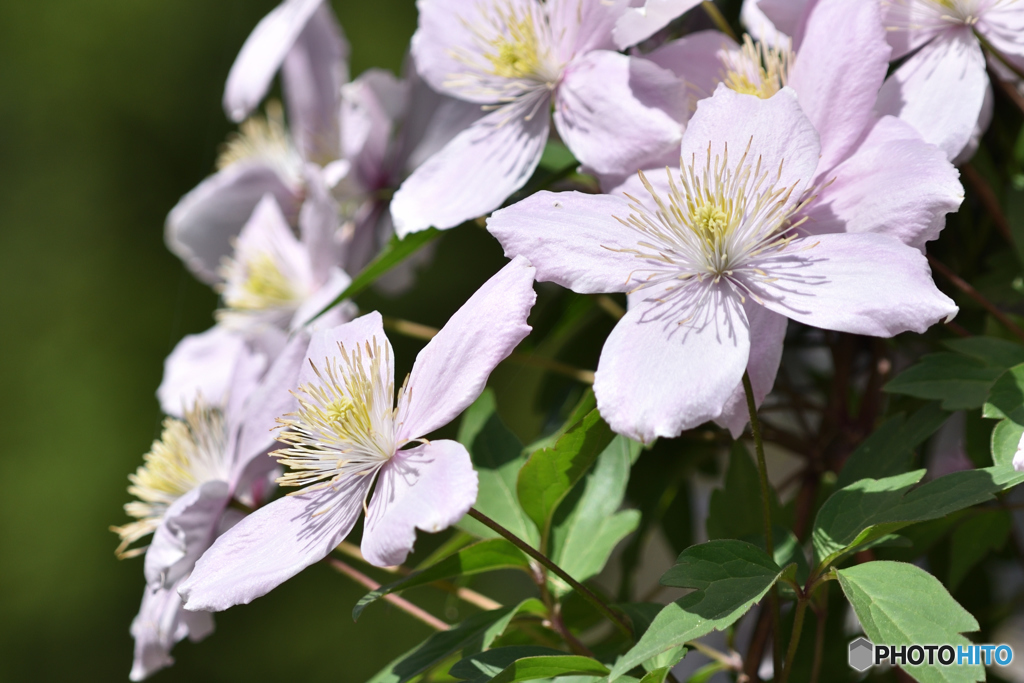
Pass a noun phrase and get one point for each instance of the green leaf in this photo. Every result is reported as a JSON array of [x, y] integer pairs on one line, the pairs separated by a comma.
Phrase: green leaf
[[549, 666], [474, 634], [587, 403], [960, 381], [1006, 398], [735, 510], [587, 527], [729, 576], [900, 604], [994, 352], [1005, 439], [550, 473], [972, 541], [492, 662], [497, 457], [390, 256], [656, 675], [557, 156], [870, 508], [484, 556], [889, 449]]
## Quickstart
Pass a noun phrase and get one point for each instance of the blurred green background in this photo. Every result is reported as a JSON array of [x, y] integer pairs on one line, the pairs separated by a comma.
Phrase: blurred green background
[[110, 111]]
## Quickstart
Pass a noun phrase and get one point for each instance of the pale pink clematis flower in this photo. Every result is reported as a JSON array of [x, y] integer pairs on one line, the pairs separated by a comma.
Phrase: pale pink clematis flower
[[348, 432], [640, 23], [875, 174], [714, 263], [201, 461], [518, 59], [943, 88]]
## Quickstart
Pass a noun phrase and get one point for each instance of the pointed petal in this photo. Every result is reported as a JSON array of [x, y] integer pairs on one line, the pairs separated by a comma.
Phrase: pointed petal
[[838, 80], [160, 623], [201, 226], [860, 283], [894, 184], [313, 72], [775, 131], [452, 370], [475, 172], [273, 544], [319, 226], [640, 23], [694, 58], [571, 238], [262, 54], [940, 90], [429, 487], [200, 364], [616, 112], [353, 335], [431, 122], [337, 281], [767, 333], [185, 533], [657, 378]]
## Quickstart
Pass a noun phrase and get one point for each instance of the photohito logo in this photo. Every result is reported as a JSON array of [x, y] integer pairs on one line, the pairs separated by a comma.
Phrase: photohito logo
[[864, 654]]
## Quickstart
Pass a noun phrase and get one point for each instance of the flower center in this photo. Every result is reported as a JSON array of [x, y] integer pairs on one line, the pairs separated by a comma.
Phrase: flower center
[[345, 424], [756, 69], [716, 221], [264, 286], [264, 140], [189, 452], [514, 54]]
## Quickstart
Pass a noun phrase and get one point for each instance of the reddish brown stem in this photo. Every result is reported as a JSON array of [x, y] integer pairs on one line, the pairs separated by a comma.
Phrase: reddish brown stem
[[970, 291], [401, 603]]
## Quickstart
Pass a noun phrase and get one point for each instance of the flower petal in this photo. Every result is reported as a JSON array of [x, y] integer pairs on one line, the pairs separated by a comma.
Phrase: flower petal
[[262, 54], [200, 364], [452, 369], [940, 90], [640, 23], [760, 27], [774, 130], [571, 238], [201, 226], [838, 79], [353, 335], [767, 334], [694, 58], [160, 623], [337, 282], [273, 544], [788, 16], [475, 172], [894, 184], [185, 533], [615, 112], [429, 487], [580, 26], [860, 283], [314, 70], [657, 377]]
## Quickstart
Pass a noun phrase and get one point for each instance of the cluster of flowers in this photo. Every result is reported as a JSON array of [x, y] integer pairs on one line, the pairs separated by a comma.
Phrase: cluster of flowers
[[784, 177]]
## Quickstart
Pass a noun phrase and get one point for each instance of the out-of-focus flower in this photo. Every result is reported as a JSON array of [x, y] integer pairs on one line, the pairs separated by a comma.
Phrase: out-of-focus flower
[[517, 60], [349, 432], [714, 266], [942, 89], [201, 461]]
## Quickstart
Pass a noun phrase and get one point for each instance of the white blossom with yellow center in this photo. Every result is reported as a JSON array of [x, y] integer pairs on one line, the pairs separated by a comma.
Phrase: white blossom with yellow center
[[189, 453]]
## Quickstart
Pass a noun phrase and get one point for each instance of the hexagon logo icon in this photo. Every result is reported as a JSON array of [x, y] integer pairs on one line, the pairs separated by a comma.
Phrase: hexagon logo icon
[[862, 654]]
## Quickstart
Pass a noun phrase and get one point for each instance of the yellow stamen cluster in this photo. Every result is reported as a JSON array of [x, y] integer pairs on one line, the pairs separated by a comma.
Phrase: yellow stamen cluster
[[515, 54], [263, 285], [189, 452], [757, 69], [261, 138], [345, 422]]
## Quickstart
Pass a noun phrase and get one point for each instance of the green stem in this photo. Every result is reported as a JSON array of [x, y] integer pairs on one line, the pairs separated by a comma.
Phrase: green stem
[[719, 19], [584, 592], [762, 471], [794, 640], [819, 637]]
